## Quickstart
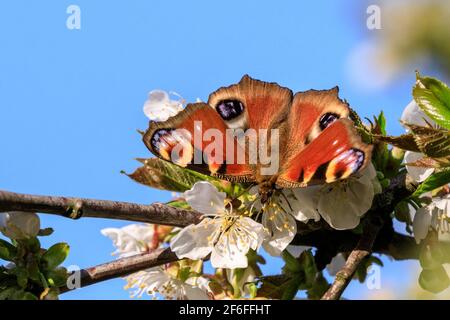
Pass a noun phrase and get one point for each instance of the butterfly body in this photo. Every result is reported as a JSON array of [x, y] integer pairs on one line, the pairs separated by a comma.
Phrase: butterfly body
[[260, 132]]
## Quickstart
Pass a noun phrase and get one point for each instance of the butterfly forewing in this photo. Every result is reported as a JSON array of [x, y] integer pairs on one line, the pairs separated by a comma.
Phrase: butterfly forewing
[[252, 104], [197, 138]]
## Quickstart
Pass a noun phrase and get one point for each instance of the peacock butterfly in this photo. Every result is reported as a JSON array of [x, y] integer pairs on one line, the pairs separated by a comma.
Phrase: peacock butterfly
[[260, 132]]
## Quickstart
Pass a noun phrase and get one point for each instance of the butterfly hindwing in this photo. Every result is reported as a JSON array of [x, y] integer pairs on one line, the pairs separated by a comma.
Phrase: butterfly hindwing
[[310, 113], [336, 153]]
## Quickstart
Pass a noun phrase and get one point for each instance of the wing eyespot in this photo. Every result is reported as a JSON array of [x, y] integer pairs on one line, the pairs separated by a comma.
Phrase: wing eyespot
[[345, 164], [327, 119], [230, 109]]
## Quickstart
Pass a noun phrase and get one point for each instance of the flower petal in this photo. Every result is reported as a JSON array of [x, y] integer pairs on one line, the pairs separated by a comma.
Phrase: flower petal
[[412, 114], [194, 293], [159, 106], [255, 232], [233, 245], [19, 224], [220, 259], [443, 204], [422, 222], [282, 229], [196, 241], [131, 239], [342, 204], [296, 251], [419, 174], [205, 198], [301, 203]]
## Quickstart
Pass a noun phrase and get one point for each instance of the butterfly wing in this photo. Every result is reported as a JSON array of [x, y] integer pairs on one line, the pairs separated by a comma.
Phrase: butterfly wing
[[197, 138], [316, 143], [327, 147], [257, 108], [252, 104]]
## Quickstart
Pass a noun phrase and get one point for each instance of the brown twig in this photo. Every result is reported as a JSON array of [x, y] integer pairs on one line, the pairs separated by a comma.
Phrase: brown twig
[[362, 250], [119, 268], [75, 208]]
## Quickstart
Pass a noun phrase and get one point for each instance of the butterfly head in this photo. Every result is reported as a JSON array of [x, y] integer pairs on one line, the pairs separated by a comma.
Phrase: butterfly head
[[266, 190]]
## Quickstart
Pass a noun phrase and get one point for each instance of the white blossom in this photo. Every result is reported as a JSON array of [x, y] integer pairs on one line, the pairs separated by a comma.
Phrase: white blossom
[[280, 213], [131, 239], [138, 238], [434, 216], [342, 203], [19, 225], [161, 281], [419, 174], [159, 106], [281, 226], [414, 115], [227, 236]]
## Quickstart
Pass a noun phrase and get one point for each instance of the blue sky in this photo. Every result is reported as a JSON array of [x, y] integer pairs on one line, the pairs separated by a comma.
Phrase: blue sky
[[71, 100]]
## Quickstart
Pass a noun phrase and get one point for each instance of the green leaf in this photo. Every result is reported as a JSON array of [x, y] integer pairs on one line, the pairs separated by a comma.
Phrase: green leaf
[[182, 204], [45, 232], [428, 260], [291, 288], [401, 212], [14, 293], [279, 286], [23, 295], [292, 264], [319, 287], [381, 123], [361, 271], [405, 141], [7, 293], [32, 244], [57, 277], [55, 255], [394, 163], [7, 250], [433, 142], [433, 97], [380, 153], [309, 268], [21, 275], [434, 181], [160, 174], [434, 280], [33, 270], [252, 289]]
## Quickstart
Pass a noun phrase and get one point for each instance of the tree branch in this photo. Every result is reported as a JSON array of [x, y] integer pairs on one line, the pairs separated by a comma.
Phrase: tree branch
[[319, 235], [75, 208], [122, 267], [362, 250]]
